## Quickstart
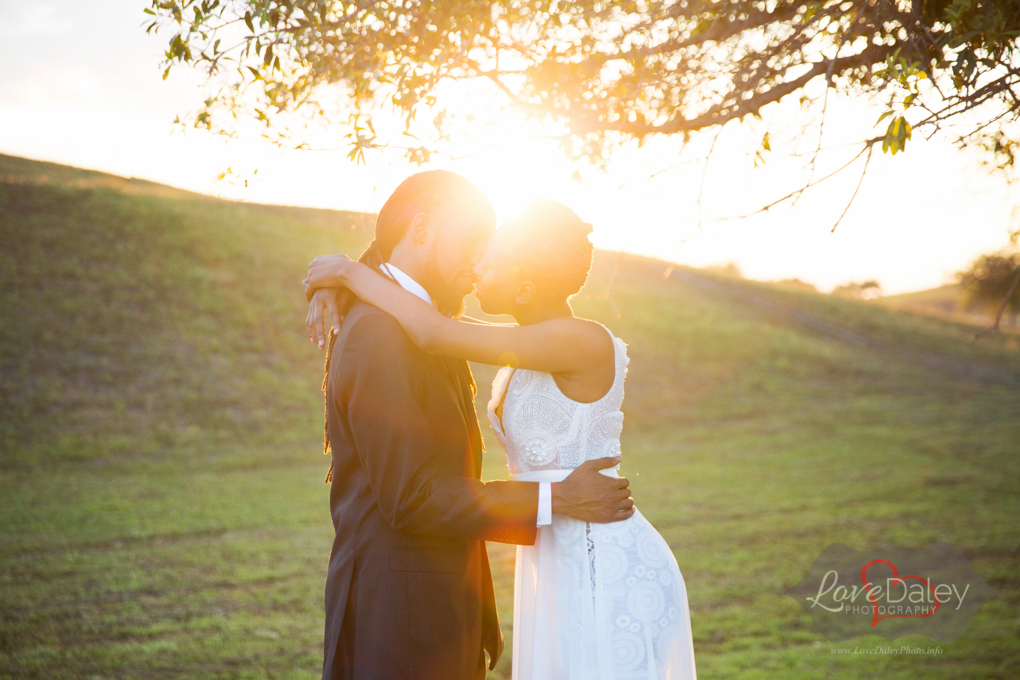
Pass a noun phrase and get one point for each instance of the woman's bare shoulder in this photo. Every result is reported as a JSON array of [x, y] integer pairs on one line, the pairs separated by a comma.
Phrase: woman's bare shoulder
[[590, 335]]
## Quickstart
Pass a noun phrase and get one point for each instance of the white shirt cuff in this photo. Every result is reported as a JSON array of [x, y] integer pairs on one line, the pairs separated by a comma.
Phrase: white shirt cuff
[[544, 504]]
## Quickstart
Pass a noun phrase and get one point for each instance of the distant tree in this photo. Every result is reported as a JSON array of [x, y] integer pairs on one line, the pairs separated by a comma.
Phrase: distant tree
[[991, 284], [797, 285], [603, 72], [729, 269], [867, 290]]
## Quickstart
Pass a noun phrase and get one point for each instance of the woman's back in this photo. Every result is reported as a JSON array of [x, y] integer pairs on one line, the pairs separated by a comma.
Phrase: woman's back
[[542, 429]]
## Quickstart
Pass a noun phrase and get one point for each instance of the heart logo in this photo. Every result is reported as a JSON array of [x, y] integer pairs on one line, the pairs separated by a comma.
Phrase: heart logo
[[875, 618]]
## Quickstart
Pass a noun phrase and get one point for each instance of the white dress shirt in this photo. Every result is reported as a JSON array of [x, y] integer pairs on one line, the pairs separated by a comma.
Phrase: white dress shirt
[[412, 286]]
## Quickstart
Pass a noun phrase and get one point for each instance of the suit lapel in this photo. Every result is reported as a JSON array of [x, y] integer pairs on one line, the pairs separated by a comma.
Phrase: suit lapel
[[458, 369]]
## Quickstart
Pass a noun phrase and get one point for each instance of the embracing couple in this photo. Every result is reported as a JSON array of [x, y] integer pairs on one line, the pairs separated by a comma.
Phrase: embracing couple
[[598, 594]]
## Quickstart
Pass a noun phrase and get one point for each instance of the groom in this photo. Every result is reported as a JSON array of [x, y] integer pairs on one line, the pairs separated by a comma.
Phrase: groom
[[409, 593]]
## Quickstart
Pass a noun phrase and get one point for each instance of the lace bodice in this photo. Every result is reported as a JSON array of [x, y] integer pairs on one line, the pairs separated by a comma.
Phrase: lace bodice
[[542, 429]]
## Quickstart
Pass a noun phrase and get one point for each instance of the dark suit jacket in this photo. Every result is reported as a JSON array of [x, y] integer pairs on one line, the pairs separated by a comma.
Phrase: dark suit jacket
[[408, 593]]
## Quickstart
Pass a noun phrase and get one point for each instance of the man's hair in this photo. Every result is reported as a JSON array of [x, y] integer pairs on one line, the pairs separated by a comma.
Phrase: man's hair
[[424, 192]]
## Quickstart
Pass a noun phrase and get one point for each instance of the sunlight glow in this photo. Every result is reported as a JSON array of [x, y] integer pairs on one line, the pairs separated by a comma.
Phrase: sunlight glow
[[918, 218]]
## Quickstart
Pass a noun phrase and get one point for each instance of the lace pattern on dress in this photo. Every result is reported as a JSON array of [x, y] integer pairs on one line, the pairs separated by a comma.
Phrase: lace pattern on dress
[[543, 429], [591, 558]]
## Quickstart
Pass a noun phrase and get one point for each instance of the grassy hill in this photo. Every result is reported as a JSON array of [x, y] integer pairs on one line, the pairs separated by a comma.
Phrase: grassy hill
[[945, 298], [162, 512], [948, 302]]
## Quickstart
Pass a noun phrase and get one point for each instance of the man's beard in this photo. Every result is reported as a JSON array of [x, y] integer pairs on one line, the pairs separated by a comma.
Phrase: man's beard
[[446, 297]]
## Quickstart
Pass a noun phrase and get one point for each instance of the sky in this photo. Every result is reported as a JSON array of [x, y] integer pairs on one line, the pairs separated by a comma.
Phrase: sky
[[81, 85]]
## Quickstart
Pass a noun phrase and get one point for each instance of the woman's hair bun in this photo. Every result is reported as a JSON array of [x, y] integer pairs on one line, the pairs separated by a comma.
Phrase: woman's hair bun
[[553, 215], [552, 246]]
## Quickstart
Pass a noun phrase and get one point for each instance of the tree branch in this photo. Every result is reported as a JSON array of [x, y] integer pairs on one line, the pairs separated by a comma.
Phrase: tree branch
[[864, 171], [867, 149]]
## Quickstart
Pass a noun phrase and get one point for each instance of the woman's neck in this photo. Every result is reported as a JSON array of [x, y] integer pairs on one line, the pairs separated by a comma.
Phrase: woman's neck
[[532, 314]]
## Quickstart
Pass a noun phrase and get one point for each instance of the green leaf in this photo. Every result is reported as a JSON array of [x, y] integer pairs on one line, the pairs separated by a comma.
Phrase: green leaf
[[166, 73], [247, 21]]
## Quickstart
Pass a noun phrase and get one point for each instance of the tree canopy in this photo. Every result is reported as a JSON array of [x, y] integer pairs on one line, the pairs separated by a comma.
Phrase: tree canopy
[[604, 72], [991, 283]]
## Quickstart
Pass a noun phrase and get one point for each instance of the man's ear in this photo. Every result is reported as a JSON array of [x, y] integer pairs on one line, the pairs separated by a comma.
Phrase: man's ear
[[419, 227], [525, 293]]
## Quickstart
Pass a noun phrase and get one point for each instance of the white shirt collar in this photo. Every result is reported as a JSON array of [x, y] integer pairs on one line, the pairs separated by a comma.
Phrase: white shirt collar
[[407, 283]]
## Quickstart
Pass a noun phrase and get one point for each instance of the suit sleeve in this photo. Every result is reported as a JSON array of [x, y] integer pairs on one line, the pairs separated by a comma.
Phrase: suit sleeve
[[398, 446]]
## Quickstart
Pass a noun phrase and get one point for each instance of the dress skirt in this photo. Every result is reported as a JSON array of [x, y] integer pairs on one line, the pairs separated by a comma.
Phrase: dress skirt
[[599, 602]]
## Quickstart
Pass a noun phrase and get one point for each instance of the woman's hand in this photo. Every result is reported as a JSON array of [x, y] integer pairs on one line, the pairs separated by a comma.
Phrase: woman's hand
[[326, 271], [315, 322]]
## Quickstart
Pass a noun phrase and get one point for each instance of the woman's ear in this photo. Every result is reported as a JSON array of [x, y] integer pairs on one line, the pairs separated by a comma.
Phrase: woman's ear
[[419, 227], [525, 293]]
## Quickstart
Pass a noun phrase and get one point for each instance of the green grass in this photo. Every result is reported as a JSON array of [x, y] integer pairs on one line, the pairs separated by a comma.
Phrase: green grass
[[162, 512]]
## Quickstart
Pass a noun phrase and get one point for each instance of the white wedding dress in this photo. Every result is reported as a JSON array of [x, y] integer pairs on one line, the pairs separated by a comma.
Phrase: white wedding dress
[[591, 601]]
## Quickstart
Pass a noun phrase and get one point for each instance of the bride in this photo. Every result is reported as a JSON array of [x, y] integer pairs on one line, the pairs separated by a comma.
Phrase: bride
[[591, 601]]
